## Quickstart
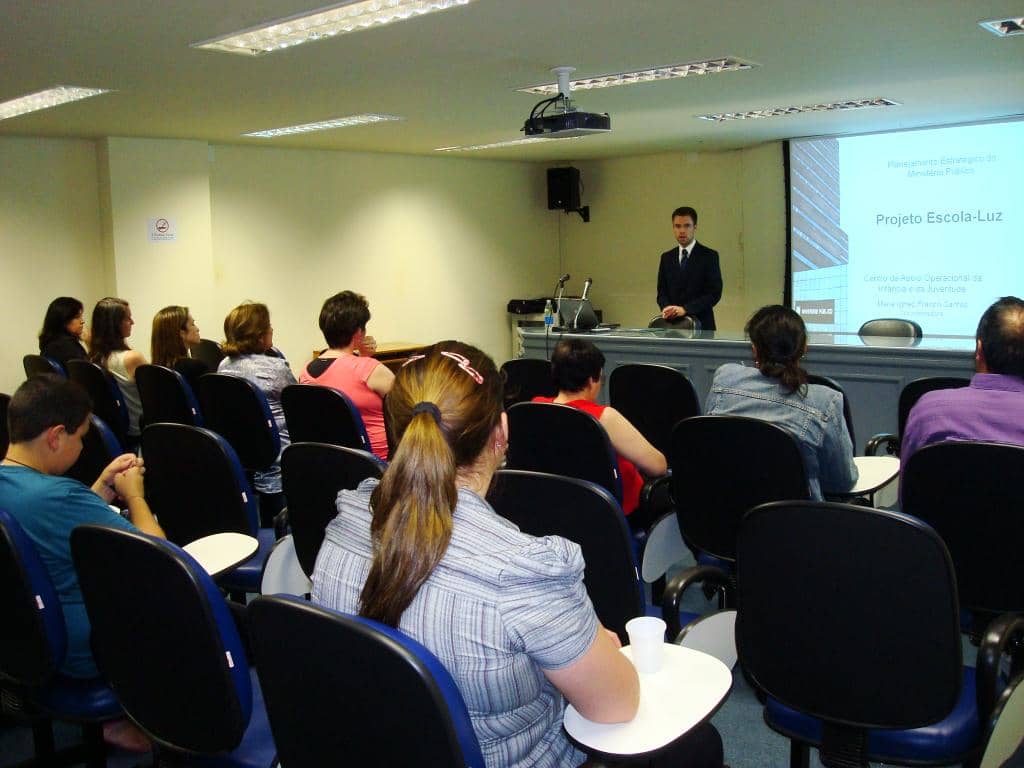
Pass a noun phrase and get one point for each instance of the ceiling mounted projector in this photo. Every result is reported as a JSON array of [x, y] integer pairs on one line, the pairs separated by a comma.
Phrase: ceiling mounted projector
[[564, 120]]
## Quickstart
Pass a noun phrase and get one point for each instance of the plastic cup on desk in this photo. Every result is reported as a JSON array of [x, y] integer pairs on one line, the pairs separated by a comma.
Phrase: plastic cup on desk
[[646, 640]]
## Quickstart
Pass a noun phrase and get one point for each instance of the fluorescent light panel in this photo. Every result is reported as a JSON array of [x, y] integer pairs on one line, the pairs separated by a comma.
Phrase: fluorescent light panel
[[725, 64], [51, 97], [323, 23], [1004, 27], [325, 125], [755, 114], [502, 144]]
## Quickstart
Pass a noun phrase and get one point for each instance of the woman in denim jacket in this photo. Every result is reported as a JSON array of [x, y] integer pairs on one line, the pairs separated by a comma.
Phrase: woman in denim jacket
[[776, 390]]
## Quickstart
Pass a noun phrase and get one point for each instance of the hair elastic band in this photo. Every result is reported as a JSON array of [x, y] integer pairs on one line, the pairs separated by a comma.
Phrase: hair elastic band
[[425, 407]]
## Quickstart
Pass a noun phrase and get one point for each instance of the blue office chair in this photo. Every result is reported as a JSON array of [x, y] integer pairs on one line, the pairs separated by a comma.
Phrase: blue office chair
[[318, 414], [848, 621], [653, 398], [99, 448], [196, 487], [526, 378], [36, 365], [909, 395], [347, 687], [166, 397], [107, 401], [166, 640], [32, 647], [311, 475]]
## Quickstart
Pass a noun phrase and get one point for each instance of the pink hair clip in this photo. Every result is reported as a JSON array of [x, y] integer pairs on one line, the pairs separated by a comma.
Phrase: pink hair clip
[[463, 362], [413, 359]]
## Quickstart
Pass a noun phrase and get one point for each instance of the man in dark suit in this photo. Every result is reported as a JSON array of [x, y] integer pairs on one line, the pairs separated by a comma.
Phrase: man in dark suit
[[689, 277]]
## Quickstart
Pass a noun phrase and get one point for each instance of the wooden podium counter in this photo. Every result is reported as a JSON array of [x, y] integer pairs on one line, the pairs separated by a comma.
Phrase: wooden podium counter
[[872, 375]]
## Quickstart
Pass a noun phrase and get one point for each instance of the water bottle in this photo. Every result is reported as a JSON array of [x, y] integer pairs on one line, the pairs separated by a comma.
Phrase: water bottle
[[549, 316]]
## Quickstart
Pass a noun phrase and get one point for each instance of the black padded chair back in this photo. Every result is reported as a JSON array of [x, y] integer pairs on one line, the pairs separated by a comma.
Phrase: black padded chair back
[[99, 448], [166, 397], [165, 639], [722, 466], [107, 402], [5, 437], [36, 365], [525, 379], [561, 440], [209, 352], [825, 381], [913, 391], [194, 483], [972, 494], [340, 685], [891, 326], [685, 323], [318, 414], [848, 614], [552, 505], [653, 398], [236, 409], [311, 476]]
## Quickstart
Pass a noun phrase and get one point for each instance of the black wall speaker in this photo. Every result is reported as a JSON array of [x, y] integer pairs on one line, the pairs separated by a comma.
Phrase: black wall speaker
[[563, 189]]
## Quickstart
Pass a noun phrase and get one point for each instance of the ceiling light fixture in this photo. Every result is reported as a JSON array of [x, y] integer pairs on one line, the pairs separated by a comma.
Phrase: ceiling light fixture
[[503, 144], [323, 23], [51, 97], [324, 125], [755, 114], [1004, 27], [711, 66]]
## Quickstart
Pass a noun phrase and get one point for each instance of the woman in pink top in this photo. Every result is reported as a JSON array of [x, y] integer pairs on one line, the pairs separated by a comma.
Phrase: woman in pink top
[[348, 365]]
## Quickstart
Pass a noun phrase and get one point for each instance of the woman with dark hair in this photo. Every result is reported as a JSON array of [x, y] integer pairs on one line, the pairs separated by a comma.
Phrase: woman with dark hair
[[576, 368], [348, 365], [249, 335], [174, 331], [776, 390], [111, 325], [61, 336], [506, 613]]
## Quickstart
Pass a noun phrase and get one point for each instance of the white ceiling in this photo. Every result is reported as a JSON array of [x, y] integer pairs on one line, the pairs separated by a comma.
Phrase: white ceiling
[[452, 75]]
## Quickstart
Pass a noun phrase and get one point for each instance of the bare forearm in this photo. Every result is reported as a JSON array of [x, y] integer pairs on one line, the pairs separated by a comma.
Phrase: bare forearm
[[142, 517]]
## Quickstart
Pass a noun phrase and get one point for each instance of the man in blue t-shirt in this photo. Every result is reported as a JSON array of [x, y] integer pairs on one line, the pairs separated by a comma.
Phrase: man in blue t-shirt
[[48, 416]]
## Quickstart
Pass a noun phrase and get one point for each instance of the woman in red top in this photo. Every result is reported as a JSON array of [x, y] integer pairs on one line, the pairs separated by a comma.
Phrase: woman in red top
[[576, 367]]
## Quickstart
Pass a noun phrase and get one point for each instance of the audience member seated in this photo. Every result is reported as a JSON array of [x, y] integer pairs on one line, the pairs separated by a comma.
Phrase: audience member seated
[[991, 409], [249, 335], [48, 416], [174, 332], [576, 367], [61, 337], [348, 364], [506, 613], [111, 325], [776, 390]]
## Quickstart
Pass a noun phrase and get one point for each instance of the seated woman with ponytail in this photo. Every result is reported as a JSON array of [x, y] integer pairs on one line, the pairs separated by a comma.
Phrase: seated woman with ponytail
[[506, 613], [776, 390]]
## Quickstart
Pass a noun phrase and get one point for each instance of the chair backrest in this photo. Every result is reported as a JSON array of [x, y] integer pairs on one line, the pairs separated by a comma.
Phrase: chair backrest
[[1005, 747], [825, 381], [107, 402], [834, 622], [237, 409], [34, 638], [552, 505], [891, 326], [209, 352], [562, 440], [318, 414], [99, 447], [36, 365], [972, 494], [195, 484], [330, 681], [653, 398], [5, 437], [724, 465], [164, 639], [166, 396], [913, 391], [685, 323], [525, 379], [311, 476]]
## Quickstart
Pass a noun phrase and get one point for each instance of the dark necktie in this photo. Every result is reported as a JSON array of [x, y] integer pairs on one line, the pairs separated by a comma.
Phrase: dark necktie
[[684, 261]]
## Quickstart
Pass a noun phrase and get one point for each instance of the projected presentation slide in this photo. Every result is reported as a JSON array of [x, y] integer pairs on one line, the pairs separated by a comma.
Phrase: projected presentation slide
[[923, 225]]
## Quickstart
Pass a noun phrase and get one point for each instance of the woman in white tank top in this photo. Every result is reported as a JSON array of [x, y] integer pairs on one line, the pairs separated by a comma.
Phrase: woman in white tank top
[[111, 325]]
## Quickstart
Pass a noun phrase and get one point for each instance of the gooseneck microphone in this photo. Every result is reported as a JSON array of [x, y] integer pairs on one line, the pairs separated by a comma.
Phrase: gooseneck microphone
[[586, 288], [564, 279]]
